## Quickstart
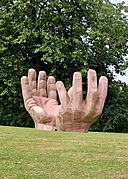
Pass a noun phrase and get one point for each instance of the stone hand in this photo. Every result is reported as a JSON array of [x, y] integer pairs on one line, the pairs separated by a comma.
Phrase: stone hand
[[40, 100], [40, 103], [85, 112]]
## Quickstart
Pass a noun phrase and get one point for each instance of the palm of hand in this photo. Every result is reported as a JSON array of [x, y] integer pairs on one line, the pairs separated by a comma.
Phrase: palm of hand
[[42, 109]]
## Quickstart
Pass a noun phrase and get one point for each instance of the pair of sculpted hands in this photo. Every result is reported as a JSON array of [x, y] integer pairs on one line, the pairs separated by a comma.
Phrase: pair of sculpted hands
[[73, 113]]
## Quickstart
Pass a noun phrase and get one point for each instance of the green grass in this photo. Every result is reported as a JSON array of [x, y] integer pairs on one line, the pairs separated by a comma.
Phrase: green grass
[[29, 153]]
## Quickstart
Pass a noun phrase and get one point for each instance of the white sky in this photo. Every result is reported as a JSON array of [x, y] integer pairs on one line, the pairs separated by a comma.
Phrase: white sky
[[117, 1], [122, 78], [117, 76]]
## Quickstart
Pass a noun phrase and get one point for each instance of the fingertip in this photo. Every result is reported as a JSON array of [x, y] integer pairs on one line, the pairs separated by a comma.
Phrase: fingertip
[[103, 86], [42, 75], [51, 79], [77, 81], [42, 72], [31, 70], [104, 79], [24, 79], [59, 84], [92, 80], [77, 74], [31, 74], [91, 72]]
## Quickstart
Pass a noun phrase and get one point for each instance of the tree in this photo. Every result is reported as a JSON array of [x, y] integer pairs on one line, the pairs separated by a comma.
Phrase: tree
[[60, 37]]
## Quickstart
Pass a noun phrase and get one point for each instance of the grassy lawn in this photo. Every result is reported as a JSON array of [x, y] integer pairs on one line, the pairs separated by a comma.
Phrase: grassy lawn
[[28, 153]]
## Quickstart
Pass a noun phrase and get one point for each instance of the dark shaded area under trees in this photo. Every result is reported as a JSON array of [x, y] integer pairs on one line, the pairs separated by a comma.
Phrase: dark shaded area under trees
[[61, 37]]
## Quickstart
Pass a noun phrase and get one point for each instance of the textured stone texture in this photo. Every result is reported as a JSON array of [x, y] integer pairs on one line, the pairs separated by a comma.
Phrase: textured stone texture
[[74, 113]]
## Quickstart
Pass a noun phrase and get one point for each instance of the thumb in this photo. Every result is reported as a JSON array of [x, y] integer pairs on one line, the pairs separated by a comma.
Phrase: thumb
[[38, 115]]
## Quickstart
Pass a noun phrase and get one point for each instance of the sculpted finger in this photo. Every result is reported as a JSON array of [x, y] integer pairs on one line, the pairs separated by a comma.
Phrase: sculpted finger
[[63, 95], [92, 80], [51, 87], [32, 80], [92, 90], [70, 93], [77, 89], [102, 92], [26, 90], [41, 87]]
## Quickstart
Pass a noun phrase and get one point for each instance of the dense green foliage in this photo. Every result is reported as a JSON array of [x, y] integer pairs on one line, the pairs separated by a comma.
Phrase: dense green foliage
[[115, 116], [61, 37]]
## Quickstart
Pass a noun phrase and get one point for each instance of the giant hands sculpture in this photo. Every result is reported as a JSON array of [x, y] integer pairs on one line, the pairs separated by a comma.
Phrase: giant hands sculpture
[[73, 113]]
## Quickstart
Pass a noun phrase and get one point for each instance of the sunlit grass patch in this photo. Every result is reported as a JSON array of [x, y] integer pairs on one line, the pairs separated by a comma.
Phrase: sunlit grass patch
[[29, 153]]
